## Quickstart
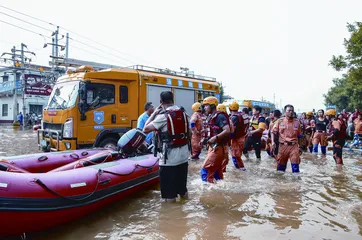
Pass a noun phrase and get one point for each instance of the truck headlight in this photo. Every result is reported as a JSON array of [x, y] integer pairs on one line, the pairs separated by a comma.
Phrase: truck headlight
[[68, 128]]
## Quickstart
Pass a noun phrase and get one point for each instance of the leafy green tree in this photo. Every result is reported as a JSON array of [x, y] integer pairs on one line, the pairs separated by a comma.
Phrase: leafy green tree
[[347, 90]]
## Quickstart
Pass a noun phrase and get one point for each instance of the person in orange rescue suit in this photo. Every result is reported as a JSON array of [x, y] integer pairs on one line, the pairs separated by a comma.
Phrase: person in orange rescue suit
[[239, 125], [320, 135], [308, 130], [338, 134], [218, 134], [222, 108], [289, 131], [358, 125], [256, 129], [196, 129], [273, 152]]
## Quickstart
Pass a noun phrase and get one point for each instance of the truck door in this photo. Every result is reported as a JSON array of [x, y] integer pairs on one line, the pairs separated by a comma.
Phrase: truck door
[[112, 110], [127, 104], [101, 105]]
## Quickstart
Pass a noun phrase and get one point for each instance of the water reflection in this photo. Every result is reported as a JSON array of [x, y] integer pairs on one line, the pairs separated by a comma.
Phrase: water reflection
[[322, 202]]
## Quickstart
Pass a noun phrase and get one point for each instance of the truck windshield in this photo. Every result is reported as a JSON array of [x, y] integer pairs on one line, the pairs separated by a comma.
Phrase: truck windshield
[[64, 95]]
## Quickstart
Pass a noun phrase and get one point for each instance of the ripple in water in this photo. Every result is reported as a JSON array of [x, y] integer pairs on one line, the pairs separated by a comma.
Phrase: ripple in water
[[321, 202]]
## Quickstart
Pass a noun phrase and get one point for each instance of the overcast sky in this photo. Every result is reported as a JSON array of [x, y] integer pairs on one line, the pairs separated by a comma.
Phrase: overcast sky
[[256, 48]]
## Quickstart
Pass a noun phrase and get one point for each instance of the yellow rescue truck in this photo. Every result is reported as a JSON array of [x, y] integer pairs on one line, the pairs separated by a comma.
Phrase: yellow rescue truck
[[90, 108]]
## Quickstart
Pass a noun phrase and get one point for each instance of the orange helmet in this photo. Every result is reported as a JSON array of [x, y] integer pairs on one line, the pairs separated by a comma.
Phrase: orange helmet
[[234, 106], [196, 107], [331, 112], [309, 113], [210, 101], [221, 108]]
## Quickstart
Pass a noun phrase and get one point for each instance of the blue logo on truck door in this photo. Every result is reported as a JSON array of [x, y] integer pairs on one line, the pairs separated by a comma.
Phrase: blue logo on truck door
[[98, 117]]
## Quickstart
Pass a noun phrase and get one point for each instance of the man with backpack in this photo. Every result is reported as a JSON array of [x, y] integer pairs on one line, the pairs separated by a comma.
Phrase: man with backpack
[[217, 135], [240, 125], [172, 143]]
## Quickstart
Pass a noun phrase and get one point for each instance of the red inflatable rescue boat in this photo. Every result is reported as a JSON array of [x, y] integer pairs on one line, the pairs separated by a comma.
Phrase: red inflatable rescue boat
[[48, 189]]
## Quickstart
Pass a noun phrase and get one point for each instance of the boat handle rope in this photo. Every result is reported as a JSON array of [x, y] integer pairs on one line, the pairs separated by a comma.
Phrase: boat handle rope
[[136, 166], [38, 181], [100, 171]]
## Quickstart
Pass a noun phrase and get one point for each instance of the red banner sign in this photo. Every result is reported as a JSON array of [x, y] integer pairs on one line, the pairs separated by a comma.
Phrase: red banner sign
[[37, 85]]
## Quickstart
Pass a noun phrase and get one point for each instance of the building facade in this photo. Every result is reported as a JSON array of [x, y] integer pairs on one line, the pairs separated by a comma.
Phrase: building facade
[[25, 90]]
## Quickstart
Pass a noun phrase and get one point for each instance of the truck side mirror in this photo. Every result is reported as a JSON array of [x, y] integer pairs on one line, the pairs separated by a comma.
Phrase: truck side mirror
[[82, 106], [83, 91]]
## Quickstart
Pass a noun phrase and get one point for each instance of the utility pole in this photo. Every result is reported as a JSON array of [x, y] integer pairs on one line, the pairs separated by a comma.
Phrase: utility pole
[[23, 81], [53, 47], [66, 50], [56, 42], [16, 64], [15, 103]]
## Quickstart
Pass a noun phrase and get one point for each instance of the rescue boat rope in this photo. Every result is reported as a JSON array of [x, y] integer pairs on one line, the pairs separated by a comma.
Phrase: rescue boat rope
[[100, 171], [136, 166], [38, 181]]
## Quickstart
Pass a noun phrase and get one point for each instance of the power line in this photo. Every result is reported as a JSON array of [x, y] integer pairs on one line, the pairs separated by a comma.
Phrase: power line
[[25, 29], [93, 53], [27, 15], [114, 49], [101, 50], [46, 29], [50, 38]]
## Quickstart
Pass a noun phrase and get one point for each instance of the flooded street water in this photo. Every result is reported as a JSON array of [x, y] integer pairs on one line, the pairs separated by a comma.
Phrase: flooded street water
[[322, 202]]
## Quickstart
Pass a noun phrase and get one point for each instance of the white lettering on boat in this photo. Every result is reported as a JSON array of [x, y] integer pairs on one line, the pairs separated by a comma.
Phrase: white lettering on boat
[[3, 185], [74, 185]]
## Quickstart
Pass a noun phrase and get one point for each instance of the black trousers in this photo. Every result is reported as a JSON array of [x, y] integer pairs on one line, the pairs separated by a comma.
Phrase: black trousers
[[338, 150], [255, 142]]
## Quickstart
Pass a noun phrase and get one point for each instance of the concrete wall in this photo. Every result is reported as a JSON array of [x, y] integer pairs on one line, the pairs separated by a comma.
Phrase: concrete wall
[[29, 100]]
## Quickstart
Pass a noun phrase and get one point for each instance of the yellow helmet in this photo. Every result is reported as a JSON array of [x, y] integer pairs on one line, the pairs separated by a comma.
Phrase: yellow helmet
[[221, 108], [309, 113], [331, 112], [211, 101], [234, 106], [196, 107]]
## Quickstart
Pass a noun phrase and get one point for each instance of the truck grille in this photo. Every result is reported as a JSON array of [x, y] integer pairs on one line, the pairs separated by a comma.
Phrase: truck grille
[[52, 126]]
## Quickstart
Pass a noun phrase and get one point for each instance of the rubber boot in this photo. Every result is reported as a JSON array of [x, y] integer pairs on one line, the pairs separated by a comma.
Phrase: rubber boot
[[203, 174], [269, 153], [324, 150], [282, 167], [235, 162], [315, 148], [216, 176], [295, 168]]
